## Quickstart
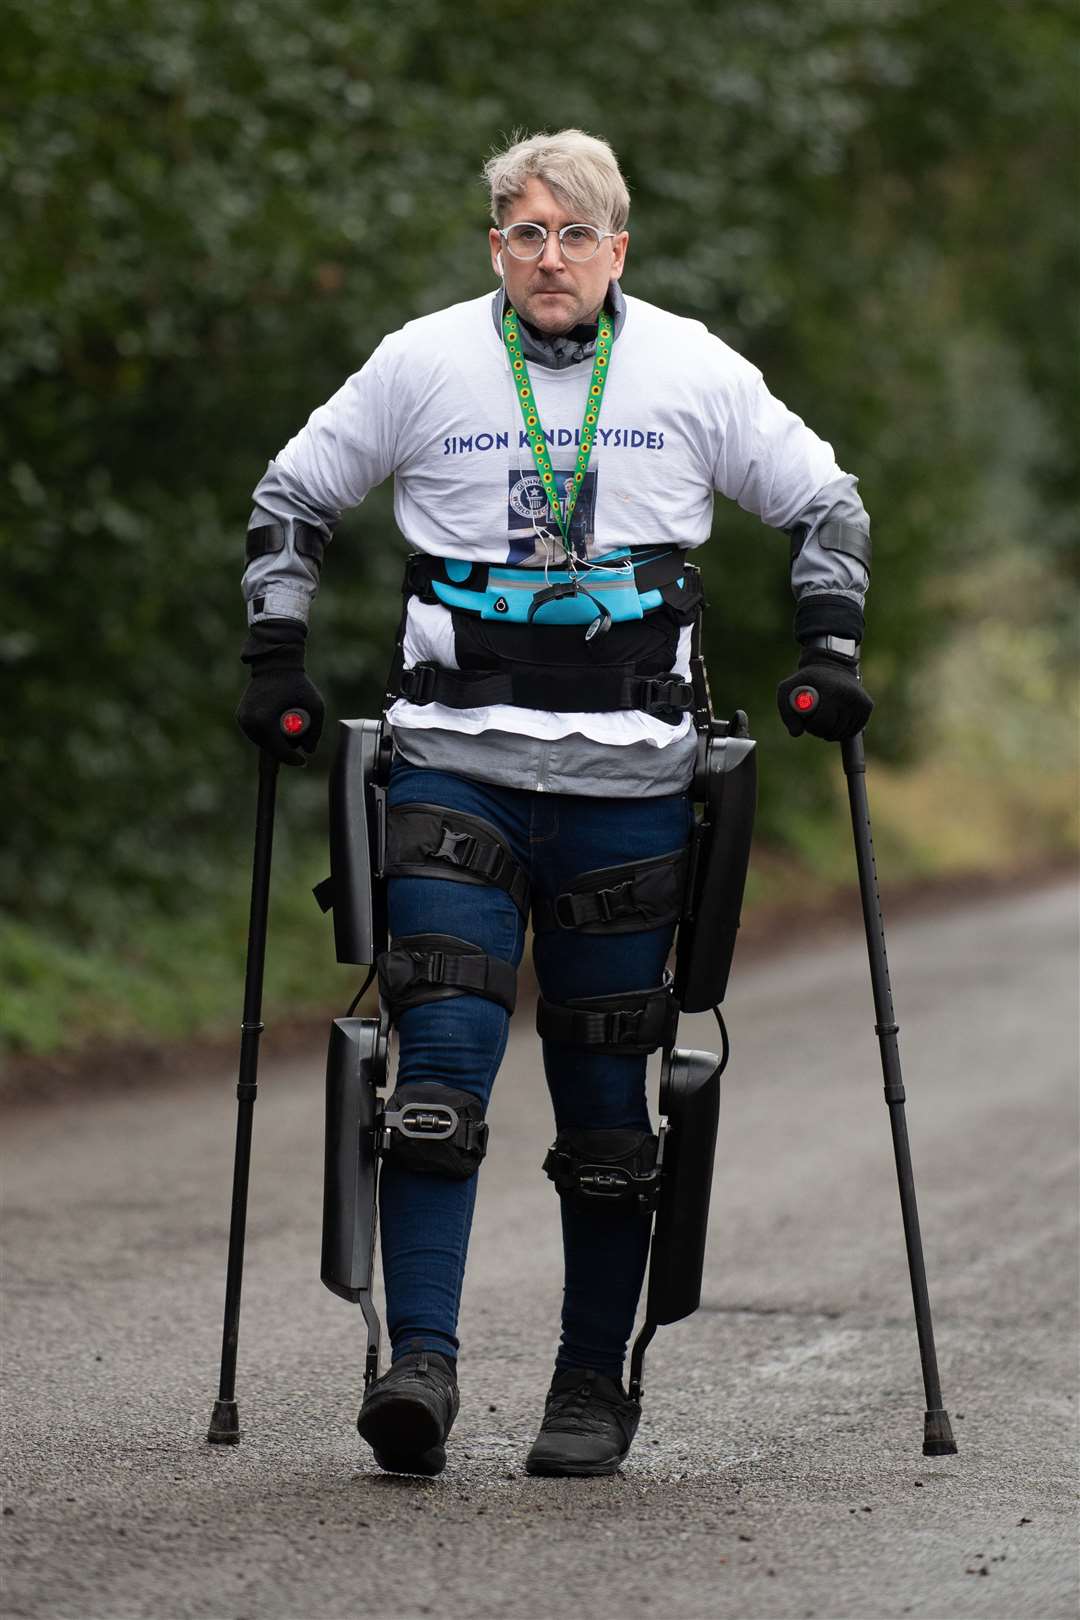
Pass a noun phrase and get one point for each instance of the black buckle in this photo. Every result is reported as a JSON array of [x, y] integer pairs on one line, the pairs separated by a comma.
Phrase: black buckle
[[609, 901], [457, 848], [418, 683], [571, 910], [426, 1119], [603, 1181], [569, 920], [669, 693], [624, 1025], [430, 1122], [432, 965]]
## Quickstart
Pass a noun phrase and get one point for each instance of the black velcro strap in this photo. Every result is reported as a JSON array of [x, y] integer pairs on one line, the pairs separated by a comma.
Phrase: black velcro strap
[[550, 687], [426, 840], [419, 968], [309, 542], [266, 538], [618, 899], [635, 1022], [845, 537]]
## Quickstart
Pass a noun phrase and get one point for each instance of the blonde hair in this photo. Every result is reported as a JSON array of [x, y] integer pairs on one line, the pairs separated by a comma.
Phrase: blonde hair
[[581, 172]]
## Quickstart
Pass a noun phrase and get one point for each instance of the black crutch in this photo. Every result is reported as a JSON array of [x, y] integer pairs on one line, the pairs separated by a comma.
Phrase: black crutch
[[937, 1431], [225, 1419]]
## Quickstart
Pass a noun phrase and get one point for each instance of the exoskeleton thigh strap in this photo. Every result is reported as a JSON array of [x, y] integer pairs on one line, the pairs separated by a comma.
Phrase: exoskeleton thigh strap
[[624, 899], [436, 967], [427, 840], [629, 898], [634, 1022]]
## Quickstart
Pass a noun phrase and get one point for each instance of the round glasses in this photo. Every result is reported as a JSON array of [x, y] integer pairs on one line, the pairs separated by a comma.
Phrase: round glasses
[[576, 242]]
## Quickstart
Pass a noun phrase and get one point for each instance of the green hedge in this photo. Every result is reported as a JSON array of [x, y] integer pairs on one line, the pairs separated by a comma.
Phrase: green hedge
[[215, 211]]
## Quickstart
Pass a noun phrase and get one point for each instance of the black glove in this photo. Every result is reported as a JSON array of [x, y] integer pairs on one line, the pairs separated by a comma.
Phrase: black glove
[[843, 706], [274, 650]]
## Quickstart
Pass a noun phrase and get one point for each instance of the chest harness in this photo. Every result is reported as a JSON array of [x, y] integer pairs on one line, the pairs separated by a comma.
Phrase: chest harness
[[584, 636]]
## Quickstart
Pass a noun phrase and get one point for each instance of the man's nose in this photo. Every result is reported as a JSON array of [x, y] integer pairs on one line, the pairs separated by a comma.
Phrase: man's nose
[[552, 256]]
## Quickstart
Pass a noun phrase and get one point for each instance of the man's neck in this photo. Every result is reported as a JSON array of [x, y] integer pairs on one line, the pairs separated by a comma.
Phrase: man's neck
[[559, 350], [583, 332]]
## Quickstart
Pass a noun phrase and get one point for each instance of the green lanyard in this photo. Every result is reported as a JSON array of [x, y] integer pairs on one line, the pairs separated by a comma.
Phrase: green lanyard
[[534, 429]]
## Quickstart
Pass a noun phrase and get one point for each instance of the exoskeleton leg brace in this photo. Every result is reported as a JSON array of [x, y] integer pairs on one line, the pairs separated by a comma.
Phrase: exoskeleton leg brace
[[666, 1176], [425, 1127], [440, 1131]]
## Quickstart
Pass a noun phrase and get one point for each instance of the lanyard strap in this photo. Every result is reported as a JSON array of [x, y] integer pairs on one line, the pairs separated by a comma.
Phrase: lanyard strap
[[534, 428]]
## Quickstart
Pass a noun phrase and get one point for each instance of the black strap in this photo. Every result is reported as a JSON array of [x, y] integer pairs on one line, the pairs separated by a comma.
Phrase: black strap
[[605, 1167], [419, 968], [822, 614], [421, 569], [618, 899], [426, 840], [263, 541], [637, 1021], [564, 690], [268, 538]]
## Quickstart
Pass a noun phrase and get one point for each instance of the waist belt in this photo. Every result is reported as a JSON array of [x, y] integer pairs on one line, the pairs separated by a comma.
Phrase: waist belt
[[518, 634], [562, 690], [629, 583]]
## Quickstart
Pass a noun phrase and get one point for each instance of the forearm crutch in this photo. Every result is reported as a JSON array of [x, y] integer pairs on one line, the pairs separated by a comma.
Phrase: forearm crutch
[[937, 1431], [225, 1419]]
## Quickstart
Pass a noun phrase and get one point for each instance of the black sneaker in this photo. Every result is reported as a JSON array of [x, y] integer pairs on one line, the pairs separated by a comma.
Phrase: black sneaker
[[589, 1424], [408, 1413]]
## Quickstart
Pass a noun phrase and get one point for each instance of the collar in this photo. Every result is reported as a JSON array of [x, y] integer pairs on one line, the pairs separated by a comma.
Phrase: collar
[[568, 348]]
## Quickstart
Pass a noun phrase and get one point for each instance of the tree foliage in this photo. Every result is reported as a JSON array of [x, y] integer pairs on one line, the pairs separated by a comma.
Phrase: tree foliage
[[215, 212]]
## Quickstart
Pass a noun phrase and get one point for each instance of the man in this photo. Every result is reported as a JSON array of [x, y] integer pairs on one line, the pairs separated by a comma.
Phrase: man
[[565, 425]]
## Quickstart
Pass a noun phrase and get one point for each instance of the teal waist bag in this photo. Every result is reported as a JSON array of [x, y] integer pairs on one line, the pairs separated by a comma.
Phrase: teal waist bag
[[627, 583]]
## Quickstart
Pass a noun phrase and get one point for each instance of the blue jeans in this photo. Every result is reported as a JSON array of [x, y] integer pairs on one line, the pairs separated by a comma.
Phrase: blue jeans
[[425, 1220]]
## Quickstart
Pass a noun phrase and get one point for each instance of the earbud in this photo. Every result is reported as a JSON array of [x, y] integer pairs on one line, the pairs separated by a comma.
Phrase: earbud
[[602, 623]]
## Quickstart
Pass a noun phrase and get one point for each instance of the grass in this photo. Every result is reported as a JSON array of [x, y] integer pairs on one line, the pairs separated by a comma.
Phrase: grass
[[168, 979]]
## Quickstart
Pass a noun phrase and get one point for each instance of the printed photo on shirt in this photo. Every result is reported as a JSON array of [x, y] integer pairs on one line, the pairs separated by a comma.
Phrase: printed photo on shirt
[[529, 516]]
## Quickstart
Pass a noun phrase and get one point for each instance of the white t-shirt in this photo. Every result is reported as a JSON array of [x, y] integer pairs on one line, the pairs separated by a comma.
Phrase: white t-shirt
[[683, 415]]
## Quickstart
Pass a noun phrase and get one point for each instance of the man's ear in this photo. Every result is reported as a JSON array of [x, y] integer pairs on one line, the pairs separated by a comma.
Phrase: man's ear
[[496, 246]]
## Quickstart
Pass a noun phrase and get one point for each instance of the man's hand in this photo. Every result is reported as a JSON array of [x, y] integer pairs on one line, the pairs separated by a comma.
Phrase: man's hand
[[843, 705], [275, 651]]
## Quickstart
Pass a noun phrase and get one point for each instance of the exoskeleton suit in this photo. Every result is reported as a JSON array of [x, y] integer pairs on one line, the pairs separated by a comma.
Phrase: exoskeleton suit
[[548, 754]]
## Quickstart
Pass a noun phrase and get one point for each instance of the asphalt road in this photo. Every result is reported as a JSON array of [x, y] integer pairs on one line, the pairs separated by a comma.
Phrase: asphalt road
[[778, 1469]]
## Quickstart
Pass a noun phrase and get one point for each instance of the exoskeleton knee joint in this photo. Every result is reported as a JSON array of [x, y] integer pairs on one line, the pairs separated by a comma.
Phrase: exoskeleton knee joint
[[613, 1167], [434, 1130]]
